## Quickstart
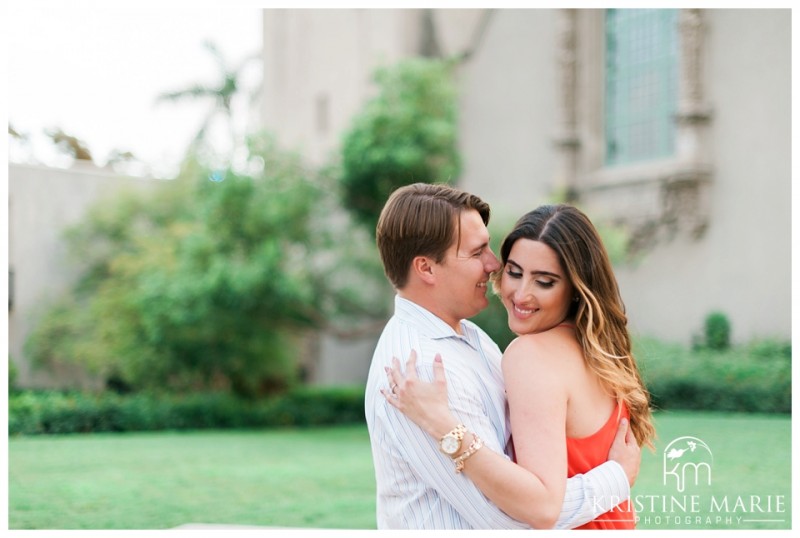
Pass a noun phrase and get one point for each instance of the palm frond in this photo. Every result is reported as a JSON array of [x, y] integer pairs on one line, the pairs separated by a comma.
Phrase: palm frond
[[192, 92]]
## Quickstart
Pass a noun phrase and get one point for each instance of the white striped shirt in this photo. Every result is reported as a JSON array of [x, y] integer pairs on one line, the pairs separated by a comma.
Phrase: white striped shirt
[[417, 486]]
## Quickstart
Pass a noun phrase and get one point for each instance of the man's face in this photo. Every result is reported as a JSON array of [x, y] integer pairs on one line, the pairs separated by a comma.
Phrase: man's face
[[464, 272]]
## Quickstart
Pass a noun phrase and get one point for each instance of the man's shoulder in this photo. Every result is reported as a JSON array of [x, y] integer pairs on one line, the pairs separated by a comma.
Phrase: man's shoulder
[[398, 335], [399, 323], [411, 318]]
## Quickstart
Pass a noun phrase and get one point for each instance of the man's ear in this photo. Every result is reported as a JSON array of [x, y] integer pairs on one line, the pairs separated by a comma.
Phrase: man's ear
[[422, 266]]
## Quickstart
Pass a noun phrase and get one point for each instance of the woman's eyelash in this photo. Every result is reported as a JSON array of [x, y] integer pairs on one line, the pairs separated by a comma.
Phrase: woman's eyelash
[[541, 283]]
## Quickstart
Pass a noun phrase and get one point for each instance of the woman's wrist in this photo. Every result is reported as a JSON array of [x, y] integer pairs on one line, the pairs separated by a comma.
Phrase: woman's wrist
[[439, 426]]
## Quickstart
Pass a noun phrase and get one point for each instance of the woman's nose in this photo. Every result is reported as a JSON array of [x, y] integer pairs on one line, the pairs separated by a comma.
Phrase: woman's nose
[[523, 293]]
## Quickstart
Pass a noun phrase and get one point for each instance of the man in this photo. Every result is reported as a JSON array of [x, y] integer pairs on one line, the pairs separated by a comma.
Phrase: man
[[435, 250]]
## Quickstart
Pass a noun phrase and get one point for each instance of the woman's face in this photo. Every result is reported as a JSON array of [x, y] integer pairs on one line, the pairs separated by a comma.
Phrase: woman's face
[[534, 288]]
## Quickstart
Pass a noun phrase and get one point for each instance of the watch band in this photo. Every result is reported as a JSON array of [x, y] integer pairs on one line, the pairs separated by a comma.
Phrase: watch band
[[474, 446]]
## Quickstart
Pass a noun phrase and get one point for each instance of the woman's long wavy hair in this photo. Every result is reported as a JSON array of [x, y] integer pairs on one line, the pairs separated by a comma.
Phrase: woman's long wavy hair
[[599, 313]]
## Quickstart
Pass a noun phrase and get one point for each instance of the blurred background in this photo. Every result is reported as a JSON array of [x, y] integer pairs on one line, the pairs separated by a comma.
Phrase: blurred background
[[192, 195]]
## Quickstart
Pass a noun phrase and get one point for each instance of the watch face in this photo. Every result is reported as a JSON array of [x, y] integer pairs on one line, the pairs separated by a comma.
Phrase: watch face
[[450, 445]]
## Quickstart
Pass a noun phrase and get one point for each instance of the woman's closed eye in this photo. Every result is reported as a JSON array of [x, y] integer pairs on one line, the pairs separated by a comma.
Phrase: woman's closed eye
[[546, 284], [513, 274]]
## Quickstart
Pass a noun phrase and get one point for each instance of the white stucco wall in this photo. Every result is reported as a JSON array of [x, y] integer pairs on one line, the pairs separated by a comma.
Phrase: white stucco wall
[[326, 55], [508, 113]]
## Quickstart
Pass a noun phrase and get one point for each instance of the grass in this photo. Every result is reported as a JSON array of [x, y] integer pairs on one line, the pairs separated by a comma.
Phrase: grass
[[752, 460], [323, 478], [295, 478]]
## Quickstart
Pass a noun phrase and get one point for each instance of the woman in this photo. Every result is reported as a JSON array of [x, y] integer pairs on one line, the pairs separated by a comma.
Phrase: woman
[[569, 374]]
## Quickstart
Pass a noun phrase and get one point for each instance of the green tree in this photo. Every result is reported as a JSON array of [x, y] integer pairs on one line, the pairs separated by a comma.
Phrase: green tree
[[406, 134], [205, 282]]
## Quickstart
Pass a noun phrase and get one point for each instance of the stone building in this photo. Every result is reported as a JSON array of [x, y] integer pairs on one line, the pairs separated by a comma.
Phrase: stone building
[[674, 124]]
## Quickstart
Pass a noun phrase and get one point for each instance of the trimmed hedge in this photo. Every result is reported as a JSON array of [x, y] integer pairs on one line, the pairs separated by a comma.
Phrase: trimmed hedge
[[755, 378], [34, 412]]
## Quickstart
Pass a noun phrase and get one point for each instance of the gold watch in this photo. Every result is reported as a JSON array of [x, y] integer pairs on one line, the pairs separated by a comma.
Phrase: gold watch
[[450, 443]]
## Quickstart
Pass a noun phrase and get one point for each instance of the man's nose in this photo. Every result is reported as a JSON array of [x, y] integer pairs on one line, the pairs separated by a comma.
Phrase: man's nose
[[492, 263]]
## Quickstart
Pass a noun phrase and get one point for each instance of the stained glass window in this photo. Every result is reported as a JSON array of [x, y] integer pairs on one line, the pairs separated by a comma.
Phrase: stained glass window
[[641, 84]]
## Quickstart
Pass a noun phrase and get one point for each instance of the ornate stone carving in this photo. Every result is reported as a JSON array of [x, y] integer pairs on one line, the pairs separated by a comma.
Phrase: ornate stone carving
[[692, 95], [566, 140], [661, 201], [682, 210], [567, 66]]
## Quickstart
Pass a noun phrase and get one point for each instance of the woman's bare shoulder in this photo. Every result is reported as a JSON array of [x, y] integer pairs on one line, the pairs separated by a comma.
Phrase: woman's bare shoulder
[[545, 350]]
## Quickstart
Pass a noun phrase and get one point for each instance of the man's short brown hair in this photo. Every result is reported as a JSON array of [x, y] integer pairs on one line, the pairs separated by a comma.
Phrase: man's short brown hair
[[421, 220]]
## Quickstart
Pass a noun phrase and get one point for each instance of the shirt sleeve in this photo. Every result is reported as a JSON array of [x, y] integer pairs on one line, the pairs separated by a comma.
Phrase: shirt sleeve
[[593, 493], [437, 470]]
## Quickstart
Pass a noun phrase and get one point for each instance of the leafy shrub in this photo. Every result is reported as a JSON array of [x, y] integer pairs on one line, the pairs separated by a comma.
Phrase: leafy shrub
[[74, 412], [207, 282], [770, 349], [717, 331], [732, 380], [406, 134]]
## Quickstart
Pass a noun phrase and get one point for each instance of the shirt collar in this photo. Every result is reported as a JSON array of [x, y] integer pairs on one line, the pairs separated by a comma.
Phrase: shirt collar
[[431, 325]]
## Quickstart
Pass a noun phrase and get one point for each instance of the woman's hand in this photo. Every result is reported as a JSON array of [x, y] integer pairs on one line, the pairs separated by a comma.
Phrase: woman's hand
[[423, 403]]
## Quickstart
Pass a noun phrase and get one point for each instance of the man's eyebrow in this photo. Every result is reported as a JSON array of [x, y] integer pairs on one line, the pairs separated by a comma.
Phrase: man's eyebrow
[[474, 250], [478, 247]]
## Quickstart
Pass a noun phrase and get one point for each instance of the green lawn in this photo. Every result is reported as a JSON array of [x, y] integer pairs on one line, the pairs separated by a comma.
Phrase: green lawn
[[751, 469], [293, 478], [323, 477]]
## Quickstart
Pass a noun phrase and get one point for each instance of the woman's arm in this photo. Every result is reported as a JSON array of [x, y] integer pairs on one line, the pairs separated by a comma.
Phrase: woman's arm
[[533, 491], [536, 378]]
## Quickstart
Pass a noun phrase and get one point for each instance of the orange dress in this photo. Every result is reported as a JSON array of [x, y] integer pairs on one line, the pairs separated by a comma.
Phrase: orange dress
[[586, 453]]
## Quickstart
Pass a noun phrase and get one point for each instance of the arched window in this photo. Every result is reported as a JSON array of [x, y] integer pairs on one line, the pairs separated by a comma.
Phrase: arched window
[[641, 84]]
